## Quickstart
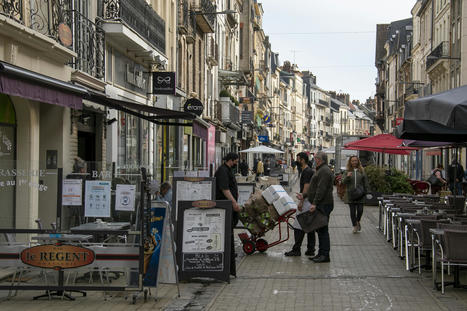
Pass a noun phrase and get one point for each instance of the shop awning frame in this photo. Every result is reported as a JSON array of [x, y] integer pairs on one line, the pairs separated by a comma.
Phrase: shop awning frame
[[153, 114], [17, 81]]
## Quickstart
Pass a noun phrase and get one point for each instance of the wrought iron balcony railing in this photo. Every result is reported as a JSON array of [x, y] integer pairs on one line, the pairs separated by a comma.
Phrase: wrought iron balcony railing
[[138, 15], [441, 51], [89, 45], [48, 17]]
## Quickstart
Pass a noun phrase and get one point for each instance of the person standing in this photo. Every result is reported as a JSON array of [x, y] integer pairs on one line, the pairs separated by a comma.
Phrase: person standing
[[165, 193], [355, 177], [455, 174], [244, 168], [227, 189], [320, 196], [299, 234], [267, 168], [259, 168]]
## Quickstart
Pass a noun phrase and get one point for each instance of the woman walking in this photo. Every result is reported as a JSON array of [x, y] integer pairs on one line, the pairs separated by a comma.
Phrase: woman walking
[[357, 186]]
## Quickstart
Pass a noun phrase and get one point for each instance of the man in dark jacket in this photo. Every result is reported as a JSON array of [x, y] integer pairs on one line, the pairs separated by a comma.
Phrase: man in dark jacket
[[320, 196], [227, 189], [455, 175]]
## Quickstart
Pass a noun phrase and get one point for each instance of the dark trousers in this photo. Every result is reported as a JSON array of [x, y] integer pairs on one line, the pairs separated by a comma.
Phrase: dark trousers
[[323, 233], [456, 188], [299, 235], [356, 212]]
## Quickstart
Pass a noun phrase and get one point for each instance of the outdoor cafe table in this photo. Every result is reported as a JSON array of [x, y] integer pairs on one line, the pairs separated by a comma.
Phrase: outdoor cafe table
[[108, 226]]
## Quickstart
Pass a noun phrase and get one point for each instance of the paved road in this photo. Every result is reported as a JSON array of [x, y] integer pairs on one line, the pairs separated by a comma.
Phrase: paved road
[[365, 273]]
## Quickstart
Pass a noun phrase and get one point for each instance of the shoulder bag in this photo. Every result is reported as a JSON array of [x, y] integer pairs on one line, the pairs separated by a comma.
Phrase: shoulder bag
[[358, 192], [312, 221]]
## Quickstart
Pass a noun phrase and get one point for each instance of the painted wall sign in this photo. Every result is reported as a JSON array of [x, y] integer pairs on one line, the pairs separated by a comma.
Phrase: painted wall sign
[[57, 256], [193, 105], [163, 83]]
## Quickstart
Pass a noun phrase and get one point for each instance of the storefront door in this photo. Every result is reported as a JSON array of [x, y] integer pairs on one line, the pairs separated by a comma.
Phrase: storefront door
[[7, 162]]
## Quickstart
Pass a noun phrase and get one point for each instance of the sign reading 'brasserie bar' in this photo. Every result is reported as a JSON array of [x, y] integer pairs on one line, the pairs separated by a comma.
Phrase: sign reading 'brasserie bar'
[[59, 256]]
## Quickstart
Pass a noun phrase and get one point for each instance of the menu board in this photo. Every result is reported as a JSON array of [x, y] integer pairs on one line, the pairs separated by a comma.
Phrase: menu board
[[192, 189], [203, 239], [97, 198]]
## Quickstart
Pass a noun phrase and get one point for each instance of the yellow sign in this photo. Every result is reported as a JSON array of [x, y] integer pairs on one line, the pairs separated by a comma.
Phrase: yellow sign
[[57, 256], [204, 204]]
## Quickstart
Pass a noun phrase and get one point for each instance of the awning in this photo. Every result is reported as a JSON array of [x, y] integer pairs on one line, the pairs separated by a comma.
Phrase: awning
[[384, 143], [149, 113], [24, 83]]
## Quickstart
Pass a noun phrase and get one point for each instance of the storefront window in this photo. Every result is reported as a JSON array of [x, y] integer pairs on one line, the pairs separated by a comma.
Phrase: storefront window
[[145, 143]]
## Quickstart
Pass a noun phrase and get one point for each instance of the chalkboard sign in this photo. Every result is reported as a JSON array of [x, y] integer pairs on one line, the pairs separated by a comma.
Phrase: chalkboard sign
[[204, 230]]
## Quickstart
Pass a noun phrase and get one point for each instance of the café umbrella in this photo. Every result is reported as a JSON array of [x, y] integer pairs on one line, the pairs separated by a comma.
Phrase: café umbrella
[[261, 149]]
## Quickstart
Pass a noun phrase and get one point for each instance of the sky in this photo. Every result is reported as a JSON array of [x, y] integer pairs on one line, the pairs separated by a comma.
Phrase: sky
[[334, 39]]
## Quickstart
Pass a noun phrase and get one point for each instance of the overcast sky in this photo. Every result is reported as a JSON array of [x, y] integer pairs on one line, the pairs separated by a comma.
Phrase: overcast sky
[[334, 39]]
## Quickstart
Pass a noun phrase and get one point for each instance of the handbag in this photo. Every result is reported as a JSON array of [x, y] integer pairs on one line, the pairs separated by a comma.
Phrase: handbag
[[312, 221], [358, 192]]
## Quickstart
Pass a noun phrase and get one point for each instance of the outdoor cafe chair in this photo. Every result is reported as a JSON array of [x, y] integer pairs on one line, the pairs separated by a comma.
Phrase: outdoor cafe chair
[[453, 252]]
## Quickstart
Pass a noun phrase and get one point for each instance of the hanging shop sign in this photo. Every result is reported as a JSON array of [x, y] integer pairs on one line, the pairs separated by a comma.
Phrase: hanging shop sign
[[57, 256], [263, 138], [193, 105], [163, 83]]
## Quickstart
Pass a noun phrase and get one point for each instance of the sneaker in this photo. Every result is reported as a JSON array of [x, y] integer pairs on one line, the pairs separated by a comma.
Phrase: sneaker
[[293, 253], [355, 229], [359, 227], [309, 252], [322, 258]]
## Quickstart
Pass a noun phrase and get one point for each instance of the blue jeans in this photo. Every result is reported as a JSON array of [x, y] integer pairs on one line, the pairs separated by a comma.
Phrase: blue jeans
[[323, 233]]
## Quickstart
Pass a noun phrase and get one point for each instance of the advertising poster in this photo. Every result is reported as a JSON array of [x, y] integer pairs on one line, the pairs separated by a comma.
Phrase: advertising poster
[[72, 192], [125, 198], [211, 154], [152, 245], [97, 198], [244, 193], [203, 231]]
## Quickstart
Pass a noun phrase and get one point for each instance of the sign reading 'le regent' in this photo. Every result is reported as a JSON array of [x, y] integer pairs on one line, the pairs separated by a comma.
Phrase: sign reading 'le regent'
[[193, 105], [60, 256], [163, 83]]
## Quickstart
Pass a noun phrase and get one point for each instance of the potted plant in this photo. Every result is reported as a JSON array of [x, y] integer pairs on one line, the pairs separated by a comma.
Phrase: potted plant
[[384, 181]]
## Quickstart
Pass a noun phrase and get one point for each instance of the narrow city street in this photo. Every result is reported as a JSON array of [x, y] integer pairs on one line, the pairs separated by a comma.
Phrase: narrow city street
[[365, 273]]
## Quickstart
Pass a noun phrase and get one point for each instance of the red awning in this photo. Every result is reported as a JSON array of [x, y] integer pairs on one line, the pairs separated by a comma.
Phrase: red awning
[[385, 143]]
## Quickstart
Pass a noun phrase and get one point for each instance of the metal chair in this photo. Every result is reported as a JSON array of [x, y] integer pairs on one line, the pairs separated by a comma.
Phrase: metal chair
[[453, 252]]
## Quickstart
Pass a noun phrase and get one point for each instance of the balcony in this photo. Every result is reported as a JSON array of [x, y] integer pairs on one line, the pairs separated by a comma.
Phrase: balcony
[[439, 55], [89, 45], [204, 17], [212, 52], [183, 24], [228, 114], [126, 22]]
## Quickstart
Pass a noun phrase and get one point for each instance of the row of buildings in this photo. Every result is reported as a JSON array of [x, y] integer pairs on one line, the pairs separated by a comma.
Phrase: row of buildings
[[167, 85], [416, 57]]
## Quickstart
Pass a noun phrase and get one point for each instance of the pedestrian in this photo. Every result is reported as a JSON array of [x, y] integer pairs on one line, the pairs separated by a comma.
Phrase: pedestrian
[[299, 234], [440, 181], [244, 168], [165, 193], [259, 168], [320, 196], [267, 168], [226, 189], [355, 177], [455, 174]]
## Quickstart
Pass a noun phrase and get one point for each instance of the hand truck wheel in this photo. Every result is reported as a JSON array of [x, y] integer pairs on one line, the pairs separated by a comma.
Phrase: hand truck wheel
[[249, 247], [261, 245]]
